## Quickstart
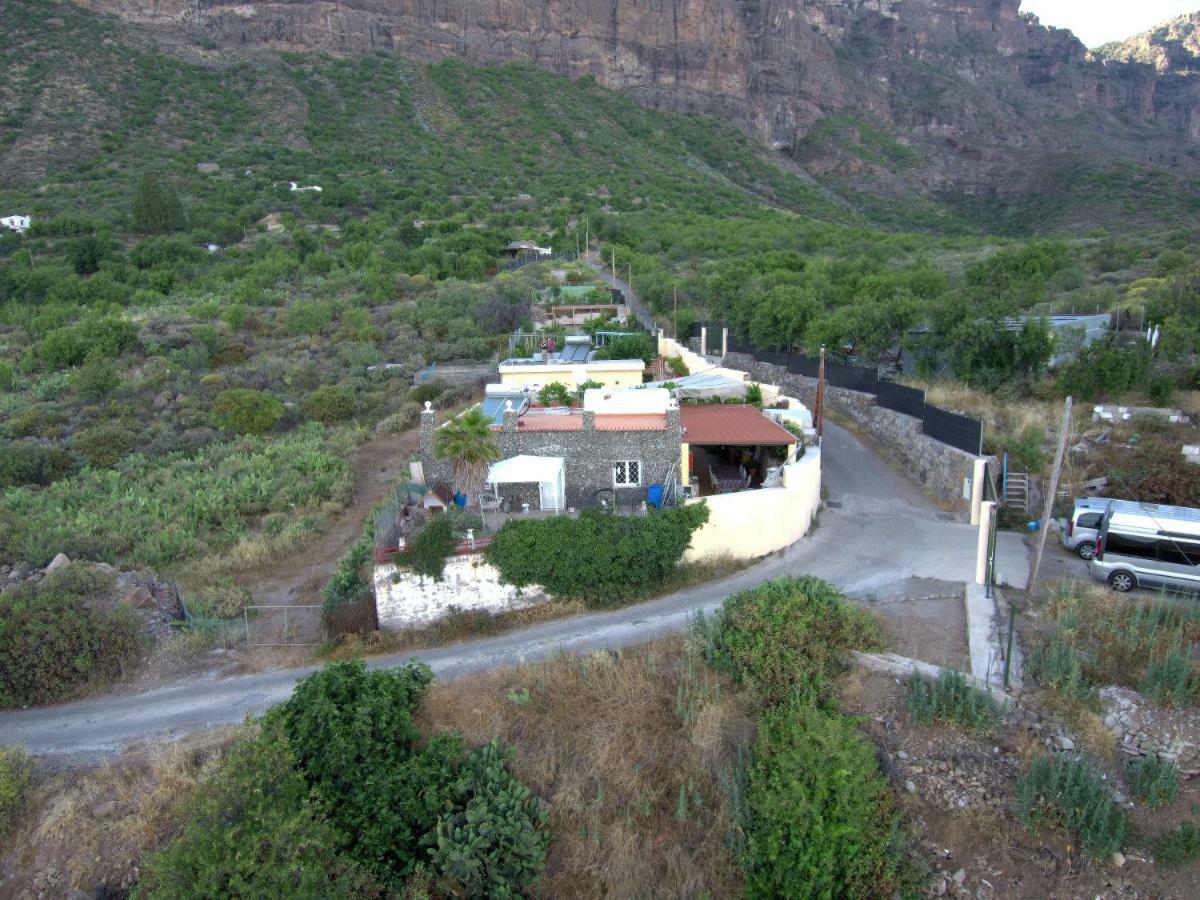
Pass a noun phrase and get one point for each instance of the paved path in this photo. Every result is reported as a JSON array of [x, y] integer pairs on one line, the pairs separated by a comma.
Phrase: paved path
[[640, 311], [880, 534]]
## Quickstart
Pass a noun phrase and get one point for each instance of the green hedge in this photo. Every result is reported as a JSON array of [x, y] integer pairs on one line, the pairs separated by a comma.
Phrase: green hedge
[[600, 558]]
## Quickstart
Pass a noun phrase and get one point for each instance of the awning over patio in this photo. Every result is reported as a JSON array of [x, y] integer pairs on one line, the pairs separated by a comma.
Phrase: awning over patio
[[545, 471]]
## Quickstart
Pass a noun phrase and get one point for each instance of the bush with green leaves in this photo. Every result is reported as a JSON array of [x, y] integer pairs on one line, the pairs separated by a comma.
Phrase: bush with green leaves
[[603, 559], [347, 584], [949, 698], [96, 378], [1171, 680], [820, 817], [16, 774], [53, 646], [246, 411], [1072, 794], [23, 462], [555, 394], [1178, 847], [1058, 665], [427, 550], [103, 446], [630, 346], [495, 841], [329, 403], [252, 829], [791, 634], [8, 375], [156, 207], [1154, 781]]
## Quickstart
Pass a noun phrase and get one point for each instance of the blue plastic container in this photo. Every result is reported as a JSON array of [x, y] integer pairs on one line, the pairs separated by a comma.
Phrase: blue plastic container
[[654, 495]]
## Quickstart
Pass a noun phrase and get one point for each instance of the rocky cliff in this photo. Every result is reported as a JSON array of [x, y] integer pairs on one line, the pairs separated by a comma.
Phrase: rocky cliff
[[967, 96]]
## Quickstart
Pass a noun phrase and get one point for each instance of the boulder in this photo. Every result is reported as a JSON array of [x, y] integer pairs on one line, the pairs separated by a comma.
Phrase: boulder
[[58, 562], [140, 598]]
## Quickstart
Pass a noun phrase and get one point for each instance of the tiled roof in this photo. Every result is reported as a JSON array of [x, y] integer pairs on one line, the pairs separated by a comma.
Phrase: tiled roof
[[717, 423], [571, 422], [631, 422]]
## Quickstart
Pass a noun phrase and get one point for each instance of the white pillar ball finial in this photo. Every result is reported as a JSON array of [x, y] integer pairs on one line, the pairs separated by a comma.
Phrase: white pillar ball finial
[[428, 405], [508, 406]]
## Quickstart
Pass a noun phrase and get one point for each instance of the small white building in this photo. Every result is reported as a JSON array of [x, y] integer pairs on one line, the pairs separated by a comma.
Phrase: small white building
[[19, 224]]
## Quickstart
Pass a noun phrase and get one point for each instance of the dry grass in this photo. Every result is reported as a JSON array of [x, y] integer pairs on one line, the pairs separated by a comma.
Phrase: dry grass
[[94, 827], [457, 626], [600, 739], [999, 416]]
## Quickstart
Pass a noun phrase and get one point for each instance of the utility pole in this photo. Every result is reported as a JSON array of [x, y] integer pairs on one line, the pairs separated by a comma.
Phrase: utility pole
[[1059, 456], [820, 404], [587, 230]]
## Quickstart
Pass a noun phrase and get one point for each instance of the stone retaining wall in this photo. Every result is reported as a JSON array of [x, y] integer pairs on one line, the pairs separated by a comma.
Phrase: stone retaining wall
[[1144, 730], [404, 599], [943, 471]]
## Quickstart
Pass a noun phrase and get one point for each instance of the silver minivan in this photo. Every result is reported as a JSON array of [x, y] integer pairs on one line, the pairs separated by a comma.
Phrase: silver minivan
[[1148, 545], [1080, 530]]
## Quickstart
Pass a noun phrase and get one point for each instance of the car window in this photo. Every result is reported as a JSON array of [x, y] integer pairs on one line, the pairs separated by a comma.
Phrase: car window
[[1089, 520], [1178, 553], [1126, 545]]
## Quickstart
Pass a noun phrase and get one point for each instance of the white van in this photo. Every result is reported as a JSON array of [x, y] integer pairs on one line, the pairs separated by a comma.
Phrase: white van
[[1148, 545], [1081, 529]]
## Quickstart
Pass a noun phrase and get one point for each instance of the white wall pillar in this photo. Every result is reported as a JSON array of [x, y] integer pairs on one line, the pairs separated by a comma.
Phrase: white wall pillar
[[724, 342], [977, 489], [704, 340], [985, 534]]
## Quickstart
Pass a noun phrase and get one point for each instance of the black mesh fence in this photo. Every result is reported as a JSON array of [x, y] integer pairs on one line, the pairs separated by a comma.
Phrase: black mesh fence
[[852, 378], [804, 365], [952, 429], [774, 357], [901, 398]]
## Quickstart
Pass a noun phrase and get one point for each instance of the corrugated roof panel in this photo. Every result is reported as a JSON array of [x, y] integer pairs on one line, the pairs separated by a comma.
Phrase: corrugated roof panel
[[726, 424]]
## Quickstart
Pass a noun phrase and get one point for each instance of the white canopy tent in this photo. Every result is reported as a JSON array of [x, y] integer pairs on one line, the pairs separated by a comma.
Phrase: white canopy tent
[[546, 471]]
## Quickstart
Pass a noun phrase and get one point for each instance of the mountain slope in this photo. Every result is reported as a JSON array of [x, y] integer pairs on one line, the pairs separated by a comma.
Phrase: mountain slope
[[1173, 46], [985, 107]]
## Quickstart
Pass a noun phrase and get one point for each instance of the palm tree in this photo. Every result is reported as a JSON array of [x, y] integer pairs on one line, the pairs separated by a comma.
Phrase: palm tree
[[468, 443]]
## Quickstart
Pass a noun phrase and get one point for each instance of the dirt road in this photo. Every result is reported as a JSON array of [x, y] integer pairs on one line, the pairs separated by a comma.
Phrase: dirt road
[[877, 534]]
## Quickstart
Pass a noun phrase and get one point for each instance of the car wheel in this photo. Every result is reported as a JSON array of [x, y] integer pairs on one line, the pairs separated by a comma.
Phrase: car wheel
[[1086, 550], [1122, 582]]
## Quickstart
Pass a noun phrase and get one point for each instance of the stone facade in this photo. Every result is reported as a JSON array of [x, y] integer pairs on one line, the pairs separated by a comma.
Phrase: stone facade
[[941, 470], [589, 455], [404, 599]]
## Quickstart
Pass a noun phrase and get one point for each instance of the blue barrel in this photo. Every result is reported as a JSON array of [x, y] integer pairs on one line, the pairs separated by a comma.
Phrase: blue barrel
[[654, 495]]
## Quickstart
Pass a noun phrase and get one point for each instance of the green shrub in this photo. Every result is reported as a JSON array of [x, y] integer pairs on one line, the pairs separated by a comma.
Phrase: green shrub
[[329, 403], [428, 392], [246, 411], [821, 822], [8, 375], [1153, 781], [791, 634], [156, 208], [347, 584], [603, 559], [401, 420], [951, 699], [62, 348], [252, 830], [1057, 664], [427, 551], [354, 740], [677, 366], [52, 646], [495, 841], [84, 580], [1179, 847], [16, 774], [308, 317], [554, 394], [630, 346], [1058, 791], [103, 446], [22, 462], [1171, 680], [96, 378]]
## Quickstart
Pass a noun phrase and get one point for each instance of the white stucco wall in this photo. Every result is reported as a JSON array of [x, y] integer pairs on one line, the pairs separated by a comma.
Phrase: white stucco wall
[[749, 524], [405, 600]]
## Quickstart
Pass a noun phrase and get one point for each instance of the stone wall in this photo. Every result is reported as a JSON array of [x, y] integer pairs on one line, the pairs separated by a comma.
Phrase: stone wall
[[1145, 730], [943, 472], [750, 524], [407, 600]]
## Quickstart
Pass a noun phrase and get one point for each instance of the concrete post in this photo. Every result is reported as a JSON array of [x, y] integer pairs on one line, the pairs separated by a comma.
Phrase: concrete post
[[510, 417], [985, 534], [977, 478], [704, 340], [724, 342], [589, 420], [428, 426]]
